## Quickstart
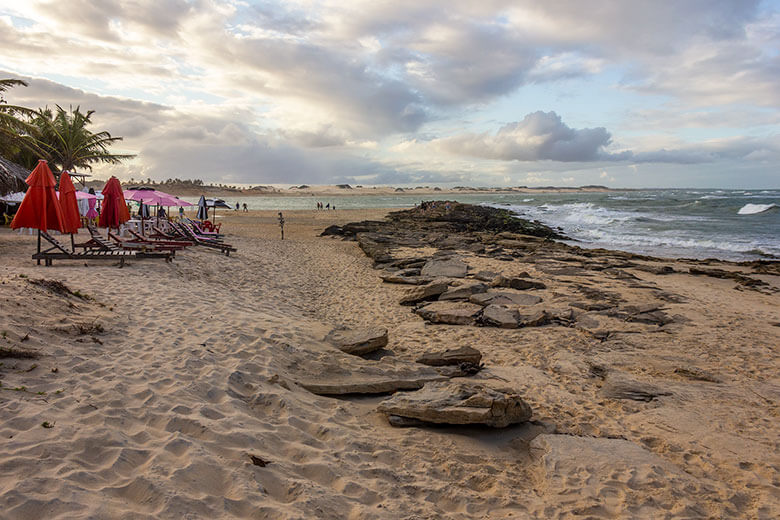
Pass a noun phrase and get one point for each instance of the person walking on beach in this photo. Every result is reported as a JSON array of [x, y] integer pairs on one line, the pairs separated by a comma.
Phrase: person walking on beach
[[245, 208], [281, 224], [327, 206], [236, 206]]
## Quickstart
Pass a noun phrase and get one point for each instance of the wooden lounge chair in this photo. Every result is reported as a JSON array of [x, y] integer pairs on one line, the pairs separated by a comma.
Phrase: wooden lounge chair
[[157, 239], [213, 244], [97, 242], [59, 252], [145, 245]]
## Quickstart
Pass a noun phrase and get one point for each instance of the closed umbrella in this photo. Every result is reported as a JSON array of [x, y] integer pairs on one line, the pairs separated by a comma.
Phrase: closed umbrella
[[40, 208], [203, 210], [70, 208], [114, 212]]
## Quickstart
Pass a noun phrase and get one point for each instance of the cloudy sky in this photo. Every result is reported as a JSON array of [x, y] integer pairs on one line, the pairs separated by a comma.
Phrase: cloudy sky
[[412, 92]]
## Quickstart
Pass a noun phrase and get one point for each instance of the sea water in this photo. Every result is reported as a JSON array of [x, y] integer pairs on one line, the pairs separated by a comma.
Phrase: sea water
[[724, 224]]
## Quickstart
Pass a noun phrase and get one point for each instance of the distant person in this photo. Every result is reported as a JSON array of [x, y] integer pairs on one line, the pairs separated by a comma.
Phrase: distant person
[[327, 206], [181, 212], [162, 213], [245, 207], [237, 206], [334, 207]]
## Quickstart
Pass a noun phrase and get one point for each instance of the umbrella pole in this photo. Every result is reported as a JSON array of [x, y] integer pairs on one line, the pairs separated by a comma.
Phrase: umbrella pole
[[39, 247], [72, 243]]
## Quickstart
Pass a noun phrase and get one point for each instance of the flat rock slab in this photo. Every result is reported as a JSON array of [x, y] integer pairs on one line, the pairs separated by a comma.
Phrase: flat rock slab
[[458, 403], [369, 377], [454, 356], [358, 341], [453, 313], [424, 292], [449, 268], [623, 386], [502, 316], [504, 298], [463, 292], [517, 282]]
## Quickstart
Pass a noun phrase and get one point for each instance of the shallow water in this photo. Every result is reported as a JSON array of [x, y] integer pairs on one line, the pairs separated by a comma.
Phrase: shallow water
[[724, 224]]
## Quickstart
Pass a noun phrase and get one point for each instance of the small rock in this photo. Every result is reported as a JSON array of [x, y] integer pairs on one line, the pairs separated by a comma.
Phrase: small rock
[[424, 292], [453, 313], [448, 267], [501, 316], [358, 341], [485, 276], [451, 357], [622, 386], [458, 403]]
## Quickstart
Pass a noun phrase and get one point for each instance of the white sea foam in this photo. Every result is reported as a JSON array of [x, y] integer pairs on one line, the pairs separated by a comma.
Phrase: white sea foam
[[752, 209]]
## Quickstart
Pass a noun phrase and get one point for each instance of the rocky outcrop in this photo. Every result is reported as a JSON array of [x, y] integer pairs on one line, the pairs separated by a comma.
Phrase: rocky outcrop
[[456, 403], [505, 298], [463, 292], [358, 341], [517, 282], [451, 357]]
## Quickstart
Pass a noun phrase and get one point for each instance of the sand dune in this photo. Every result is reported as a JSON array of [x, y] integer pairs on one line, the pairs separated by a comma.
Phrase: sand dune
[[160, 386]]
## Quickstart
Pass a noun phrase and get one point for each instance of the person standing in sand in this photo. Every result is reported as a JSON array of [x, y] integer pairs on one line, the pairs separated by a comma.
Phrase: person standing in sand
[[281, 224]]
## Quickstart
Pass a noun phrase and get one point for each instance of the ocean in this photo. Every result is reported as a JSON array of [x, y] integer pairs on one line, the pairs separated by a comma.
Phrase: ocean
[[722, 224]]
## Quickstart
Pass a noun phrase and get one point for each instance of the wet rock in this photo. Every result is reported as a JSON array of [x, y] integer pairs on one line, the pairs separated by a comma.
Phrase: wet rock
[[517, 282], [462, 292], [451, 357], [452, 313], [358, 341], [458, 403], [501, 316], [504, 298], [424, 292], [448, 267]]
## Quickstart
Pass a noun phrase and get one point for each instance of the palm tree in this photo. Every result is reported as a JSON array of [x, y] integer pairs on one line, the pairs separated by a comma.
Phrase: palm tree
[[14, 126], [67, 142]]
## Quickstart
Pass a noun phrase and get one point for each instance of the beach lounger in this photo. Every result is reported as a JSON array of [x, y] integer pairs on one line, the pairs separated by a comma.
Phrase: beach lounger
[[97, 242], [145, 245], [202, 241], [155, 239], [59, 252]]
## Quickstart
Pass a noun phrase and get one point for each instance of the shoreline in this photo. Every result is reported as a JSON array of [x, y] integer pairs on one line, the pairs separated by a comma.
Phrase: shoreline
[[174, 390]]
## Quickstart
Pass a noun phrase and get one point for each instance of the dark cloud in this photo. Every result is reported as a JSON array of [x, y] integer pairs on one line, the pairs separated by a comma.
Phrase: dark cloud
[[539, 136]]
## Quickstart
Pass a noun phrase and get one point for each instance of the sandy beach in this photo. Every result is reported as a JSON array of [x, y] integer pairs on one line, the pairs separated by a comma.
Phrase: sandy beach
[[179, 390]]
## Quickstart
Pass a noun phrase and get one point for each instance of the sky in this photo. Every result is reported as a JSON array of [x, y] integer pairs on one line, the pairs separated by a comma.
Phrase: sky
[[621, 93]]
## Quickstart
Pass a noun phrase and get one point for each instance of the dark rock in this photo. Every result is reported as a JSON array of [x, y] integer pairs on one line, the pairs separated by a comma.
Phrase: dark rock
[[537, 319], [424, 292], [453, 313], [516, 282], [485, 276], [501, 316], [407, 280], [332, 230], [358, 341], [458, 403], [451, 357], [463, 292]]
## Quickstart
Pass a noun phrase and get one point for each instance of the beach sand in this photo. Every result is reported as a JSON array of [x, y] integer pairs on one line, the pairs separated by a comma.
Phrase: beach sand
[[158, 383]]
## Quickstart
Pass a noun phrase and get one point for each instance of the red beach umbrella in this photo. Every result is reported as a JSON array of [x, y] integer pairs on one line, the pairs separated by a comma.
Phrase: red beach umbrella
[[70, 208], [40, 208], [114, 210]]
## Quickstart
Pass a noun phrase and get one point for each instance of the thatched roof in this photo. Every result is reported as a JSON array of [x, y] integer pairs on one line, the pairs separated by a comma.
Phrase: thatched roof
[[12, 177]]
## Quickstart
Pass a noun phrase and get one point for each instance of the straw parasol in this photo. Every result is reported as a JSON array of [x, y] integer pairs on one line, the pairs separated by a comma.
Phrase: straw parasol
[[40, 208], [12, 177]]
